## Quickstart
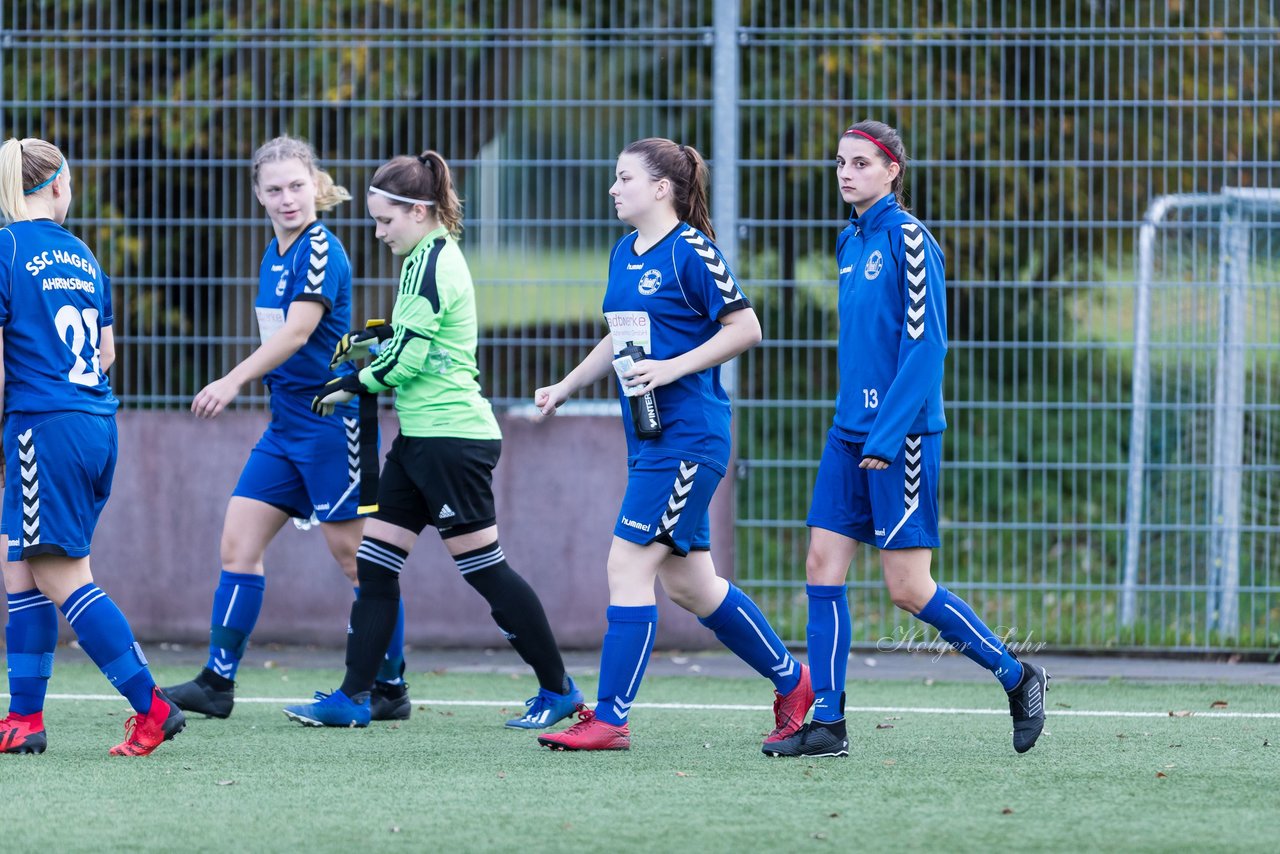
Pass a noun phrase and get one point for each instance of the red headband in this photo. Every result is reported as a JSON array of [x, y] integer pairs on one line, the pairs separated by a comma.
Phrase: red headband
[[880, 145]]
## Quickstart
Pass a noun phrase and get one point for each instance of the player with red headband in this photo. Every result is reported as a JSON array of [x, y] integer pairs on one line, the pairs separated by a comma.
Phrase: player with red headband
[[878, 479]]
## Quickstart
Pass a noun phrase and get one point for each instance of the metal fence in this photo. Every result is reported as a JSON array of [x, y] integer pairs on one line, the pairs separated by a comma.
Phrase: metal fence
[[1039, 134]]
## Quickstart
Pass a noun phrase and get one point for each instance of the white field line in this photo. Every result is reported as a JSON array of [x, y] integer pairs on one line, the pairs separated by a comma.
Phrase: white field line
[[733, 707]]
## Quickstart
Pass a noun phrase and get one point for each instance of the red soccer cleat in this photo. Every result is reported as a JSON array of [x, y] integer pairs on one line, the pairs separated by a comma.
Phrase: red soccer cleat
[[23, 733], [789, 710], [144, 733], [589, 733]]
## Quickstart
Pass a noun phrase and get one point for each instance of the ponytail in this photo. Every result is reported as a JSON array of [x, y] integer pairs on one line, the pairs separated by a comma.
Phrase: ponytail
[[684, 167], [424, 179], [328, 194], [698, 212], [26, 168], [12, 204]]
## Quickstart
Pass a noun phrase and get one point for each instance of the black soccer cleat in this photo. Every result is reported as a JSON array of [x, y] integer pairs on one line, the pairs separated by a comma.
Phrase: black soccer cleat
[[201, 697], [389, 702], [1026, 705], [815, 738]]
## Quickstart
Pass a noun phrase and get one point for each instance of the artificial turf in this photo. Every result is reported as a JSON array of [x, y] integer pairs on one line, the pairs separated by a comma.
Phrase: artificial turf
[[452, 777]]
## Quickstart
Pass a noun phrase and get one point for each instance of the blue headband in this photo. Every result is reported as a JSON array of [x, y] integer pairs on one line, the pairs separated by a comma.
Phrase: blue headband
[[47, 181]]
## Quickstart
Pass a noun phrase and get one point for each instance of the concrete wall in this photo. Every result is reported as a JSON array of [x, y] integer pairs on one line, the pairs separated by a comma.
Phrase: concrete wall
[[558, 489]]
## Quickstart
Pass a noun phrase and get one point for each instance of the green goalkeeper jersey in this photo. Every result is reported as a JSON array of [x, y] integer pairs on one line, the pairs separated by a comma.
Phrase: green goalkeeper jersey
[[430, 359]]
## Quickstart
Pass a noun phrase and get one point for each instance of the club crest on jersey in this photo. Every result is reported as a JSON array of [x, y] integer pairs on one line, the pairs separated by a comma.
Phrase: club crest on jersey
[[874, 265], [650, 282], [280, 285]]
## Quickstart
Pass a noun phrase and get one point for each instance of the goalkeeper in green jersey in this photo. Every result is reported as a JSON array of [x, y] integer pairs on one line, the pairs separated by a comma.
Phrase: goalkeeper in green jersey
[[439, 470]]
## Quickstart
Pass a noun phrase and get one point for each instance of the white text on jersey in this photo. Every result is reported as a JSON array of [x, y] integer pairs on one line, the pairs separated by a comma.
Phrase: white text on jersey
[[39, 262]]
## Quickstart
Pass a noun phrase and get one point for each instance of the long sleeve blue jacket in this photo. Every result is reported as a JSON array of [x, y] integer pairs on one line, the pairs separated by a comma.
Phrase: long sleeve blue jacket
[[893, 330]]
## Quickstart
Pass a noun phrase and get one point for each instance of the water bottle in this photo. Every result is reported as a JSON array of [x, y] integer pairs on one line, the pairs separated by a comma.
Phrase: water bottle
[[644, 405]]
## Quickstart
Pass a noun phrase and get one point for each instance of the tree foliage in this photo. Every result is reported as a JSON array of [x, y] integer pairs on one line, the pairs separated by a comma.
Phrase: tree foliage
[[1062, 115]]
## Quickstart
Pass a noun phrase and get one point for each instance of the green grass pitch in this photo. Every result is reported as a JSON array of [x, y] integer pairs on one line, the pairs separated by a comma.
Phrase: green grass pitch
[[928, 770]]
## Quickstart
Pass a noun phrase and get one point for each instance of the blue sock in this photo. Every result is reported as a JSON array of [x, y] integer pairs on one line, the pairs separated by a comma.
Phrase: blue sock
[[236, 604], [391, 671], [828, 634], [627, 645], [106, 638], [741, 627], [30, 636], [959, 626]]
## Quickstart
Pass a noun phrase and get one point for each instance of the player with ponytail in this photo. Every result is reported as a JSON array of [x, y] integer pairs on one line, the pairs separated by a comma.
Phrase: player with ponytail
[[304, 466], [59, 455], [439, 470], [675, 314]]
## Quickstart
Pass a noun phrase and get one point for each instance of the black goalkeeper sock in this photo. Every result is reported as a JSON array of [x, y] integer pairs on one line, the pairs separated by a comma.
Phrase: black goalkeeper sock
[[373, 613], [517, 611]]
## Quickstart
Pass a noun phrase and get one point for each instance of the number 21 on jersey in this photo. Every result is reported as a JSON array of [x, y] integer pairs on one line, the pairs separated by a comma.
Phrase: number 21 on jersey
[[82, 324]]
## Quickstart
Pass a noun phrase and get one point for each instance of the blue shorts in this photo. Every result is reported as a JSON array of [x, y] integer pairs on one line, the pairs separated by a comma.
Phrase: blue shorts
[[306, 463], [896, 508], [58, 470], [667, 501]]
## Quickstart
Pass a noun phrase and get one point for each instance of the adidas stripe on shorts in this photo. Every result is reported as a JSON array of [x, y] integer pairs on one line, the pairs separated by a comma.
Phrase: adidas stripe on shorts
[[667, 501], [895, 508], [58, 471]]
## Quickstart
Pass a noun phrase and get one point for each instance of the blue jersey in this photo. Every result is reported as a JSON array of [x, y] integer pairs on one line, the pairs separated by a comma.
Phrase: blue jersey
[[314, 268], [893, 330], [668, 300], [54, 303]]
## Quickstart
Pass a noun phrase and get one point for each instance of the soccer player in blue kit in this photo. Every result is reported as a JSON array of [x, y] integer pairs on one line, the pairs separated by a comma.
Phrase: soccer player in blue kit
[[60, 449], [305, 466], [878, 478], [671, 293]]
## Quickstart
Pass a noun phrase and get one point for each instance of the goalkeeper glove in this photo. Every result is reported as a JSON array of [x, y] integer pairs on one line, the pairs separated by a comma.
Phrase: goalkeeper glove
[[336, 392], [356, 345]]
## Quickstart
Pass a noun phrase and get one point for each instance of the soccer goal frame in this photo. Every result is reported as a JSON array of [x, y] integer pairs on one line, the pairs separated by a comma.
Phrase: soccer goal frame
[[1238, 210]]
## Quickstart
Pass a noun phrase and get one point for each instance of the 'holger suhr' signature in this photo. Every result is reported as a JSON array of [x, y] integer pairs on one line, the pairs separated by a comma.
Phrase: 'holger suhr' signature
[[917, 639]]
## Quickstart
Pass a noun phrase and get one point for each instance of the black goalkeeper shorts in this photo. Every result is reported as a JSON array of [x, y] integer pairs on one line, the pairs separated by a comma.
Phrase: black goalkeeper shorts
[[445, 482]]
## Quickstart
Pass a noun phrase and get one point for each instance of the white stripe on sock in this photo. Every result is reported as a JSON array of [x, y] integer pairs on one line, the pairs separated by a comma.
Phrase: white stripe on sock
[[85, 601], [758, 632], [380, 556], [13, 609], [384, 557], [835, 619], [972, 629], [644, 654], [370, 550], [235, 591], [480, 561], [493, 560]]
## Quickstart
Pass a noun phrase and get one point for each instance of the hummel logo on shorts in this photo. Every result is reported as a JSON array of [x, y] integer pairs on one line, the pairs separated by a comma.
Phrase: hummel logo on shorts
[[446, 512]]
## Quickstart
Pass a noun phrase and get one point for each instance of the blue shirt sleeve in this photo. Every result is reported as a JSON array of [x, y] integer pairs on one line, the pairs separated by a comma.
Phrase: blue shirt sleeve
[[317, 272], [924, 341], [705, 278], [108, 316]]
